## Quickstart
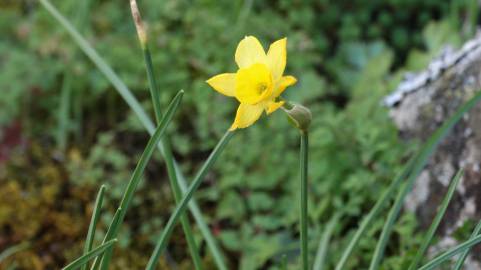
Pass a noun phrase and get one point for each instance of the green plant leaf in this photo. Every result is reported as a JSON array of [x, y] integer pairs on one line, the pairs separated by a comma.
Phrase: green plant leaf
[[90, 255], [437, 219], [464, 255], [93, 222], [450, 253]]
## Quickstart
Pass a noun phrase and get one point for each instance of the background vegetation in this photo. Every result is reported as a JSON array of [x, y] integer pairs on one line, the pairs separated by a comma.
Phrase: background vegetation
[[64, 130]]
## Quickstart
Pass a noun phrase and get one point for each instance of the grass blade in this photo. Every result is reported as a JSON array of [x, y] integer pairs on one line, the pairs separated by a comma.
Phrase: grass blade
[[138, 172], [464, 255], [93, 222], [421, 161], [108, 235], [320, 260], [90, 255], [374, 212], [179, 209], [132, 102], [437, 219], [154, 93], [450, 253]]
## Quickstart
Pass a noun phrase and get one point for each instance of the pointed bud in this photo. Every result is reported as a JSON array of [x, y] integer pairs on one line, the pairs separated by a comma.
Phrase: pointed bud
[[298, 115], [139, 25]]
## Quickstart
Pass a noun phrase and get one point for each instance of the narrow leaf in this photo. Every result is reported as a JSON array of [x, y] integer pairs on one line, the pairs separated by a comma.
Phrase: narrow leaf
[[179, 209], [464, 255], [437, 219], [93, 222], [450, 253], [90, 255], [320, 260]]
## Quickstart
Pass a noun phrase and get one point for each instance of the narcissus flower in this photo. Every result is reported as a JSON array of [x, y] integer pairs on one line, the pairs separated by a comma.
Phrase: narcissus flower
[[259, 81]]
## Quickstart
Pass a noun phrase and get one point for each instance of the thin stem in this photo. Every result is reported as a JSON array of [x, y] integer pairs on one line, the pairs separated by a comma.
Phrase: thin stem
[[180, 208], [303, 186], [184, 220]]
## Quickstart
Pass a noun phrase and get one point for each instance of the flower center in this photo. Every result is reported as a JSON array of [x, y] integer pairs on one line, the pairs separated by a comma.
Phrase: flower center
[[253, 84]]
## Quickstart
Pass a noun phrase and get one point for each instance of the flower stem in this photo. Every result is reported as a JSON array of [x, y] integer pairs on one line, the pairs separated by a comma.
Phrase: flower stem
[[303, 186], [180, 208]]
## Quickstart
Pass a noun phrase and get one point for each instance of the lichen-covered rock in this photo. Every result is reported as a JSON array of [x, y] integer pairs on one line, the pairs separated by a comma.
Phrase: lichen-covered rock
[[421, 104]]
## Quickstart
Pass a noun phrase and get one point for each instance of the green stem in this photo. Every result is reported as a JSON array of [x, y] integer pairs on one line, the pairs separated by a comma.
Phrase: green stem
[[303, 186], [174, 182], [180, 208]]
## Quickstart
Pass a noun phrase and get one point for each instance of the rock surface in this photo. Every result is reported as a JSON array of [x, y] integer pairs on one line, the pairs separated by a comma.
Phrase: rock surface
[[420, 105]]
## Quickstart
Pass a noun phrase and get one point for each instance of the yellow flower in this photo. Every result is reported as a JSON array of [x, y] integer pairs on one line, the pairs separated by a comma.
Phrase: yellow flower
[[257, 83]]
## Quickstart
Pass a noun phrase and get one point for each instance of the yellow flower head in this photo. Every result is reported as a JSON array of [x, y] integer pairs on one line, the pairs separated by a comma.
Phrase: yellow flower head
[[257, 83]]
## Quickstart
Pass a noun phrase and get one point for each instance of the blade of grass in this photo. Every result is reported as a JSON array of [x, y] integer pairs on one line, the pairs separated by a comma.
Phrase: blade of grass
[[464, 255], [437, 219], [93, 222], [179, 209], [126, 94], [90, 255], [450, 253], [421, 161], [138, 172], [154, 93], [374, 212], [320, 260], [108, 235]]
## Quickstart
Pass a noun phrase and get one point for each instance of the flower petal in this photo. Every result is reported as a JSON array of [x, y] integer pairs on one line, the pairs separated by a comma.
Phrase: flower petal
[[276, 58], [247, 115], [273, 106], [223, 83], [249, 51], [283, 83]]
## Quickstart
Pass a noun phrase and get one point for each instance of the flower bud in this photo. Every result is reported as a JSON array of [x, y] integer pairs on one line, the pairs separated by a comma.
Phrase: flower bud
[[298, 115]]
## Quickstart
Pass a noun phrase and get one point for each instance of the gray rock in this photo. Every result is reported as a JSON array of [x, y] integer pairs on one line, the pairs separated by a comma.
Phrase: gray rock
[[420, 104]]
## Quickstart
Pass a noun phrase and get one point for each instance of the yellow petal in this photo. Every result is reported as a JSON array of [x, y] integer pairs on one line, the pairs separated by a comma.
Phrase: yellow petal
[[247, 115], [283, 83], [223, 83], [276, 57], [273, 106], [249, 51], [253, 84]]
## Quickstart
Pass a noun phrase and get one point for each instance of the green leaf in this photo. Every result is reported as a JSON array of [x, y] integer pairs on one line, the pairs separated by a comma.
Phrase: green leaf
[[320, 260], [450, 253], [90, 255], [464, 255], [93, 222], [180, 208], [437, 219]]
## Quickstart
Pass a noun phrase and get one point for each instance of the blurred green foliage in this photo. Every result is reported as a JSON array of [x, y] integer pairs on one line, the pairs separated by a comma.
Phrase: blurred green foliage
[[346, 55]]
